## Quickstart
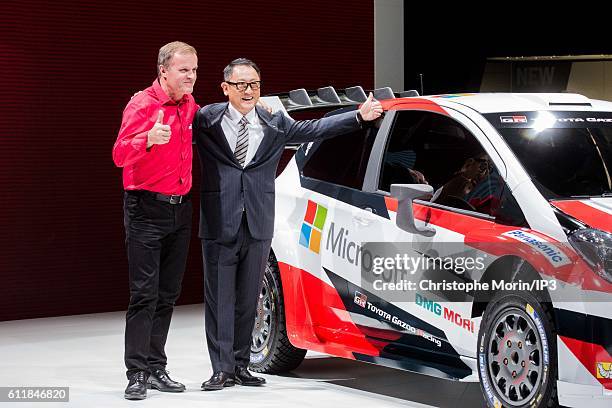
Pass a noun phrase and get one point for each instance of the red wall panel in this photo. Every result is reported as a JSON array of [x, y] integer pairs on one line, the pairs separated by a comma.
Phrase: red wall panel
[[67, 70]]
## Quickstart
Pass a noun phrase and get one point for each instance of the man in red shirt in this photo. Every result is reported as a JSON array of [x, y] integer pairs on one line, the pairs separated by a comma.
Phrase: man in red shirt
[[154, 148]]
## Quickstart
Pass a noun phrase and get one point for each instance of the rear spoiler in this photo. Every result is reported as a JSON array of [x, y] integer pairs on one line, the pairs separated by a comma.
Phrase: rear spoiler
[[329, 97]]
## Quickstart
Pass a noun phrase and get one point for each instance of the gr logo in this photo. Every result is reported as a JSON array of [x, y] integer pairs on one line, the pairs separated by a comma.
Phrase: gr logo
[[314, 221], [360, 299], [513, 119]]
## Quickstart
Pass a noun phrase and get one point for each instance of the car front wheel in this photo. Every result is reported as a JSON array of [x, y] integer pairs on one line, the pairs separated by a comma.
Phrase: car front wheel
[[517, 353]]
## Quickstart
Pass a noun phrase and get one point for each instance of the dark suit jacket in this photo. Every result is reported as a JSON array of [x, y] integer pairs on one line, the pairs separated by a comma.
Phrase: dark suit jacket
[[227, 188]]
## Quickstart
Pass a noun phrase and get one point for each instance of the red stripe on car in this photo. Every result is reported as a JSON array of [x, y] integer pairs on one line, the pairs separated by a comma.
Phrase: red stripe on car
[[589, 355], [586, 213], [316, 318]]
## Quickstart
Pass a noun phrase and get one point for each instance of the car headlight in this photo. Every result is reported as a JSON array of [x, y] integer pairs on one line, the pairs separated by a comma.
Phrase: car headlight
[[595, 247]]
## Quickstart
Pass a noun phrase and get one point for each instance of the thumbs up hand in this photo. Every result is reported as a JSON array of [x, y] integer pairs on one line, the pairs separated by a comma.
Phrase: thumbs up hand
[[370, 109], [159, 133]]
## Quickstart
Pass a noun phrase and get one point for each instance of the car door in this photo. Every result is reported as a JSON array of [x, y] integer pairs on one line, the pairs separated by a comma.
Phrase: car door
[[448, 152]]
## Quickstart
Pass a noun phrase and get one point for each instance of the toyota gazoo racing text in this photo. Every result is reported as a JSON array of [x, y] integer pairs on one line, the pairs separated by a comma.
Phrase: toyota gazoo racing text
[[467, 237]]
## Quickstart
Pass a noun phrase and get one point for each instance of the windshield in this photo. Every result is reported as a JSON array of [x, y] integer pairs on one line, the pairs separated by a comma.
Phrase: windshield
[[567, 154]]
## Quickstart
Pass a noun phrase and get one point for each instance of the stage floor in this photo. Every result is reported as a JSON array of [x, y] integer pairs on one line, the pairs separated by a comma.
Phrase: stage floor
[[85, 353]]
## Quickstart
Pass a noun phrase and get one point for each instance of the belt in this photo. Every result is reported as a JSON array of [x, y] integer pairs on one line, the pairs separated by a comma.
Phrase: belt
[[170, 199]]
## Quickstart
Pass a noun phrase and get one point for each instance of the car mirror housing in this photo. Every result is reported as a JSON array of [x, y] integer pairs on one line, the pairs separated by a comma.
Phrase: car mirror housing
[[405, 193]]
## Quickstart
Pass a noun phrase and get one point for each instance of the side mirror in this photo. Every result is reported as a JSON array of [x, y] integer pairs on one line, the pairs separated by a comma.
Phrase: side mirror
[[405, 193]]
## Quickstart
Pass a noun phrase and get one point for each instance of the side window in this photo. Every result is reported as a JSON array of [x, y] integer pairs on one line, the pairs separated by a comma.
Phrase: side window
[[341, 160], [431, 148]]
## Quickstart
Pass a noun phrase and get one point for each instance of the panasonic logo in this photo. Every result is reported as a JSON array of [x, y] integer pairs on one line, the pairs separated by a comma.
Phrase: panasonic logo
[[553, 254]]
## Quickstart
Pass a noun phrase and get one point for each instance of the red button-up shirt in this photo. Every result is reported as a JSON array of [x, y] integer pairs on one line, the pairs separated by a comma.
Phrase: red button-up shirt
[[163, 168]]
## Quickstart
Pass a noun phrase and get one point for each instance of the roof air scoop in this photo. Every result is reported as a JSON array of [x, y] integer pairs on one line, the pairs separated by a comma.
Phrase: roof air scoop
[[299, 97], [383, 93], [328, 95], [355, 94]]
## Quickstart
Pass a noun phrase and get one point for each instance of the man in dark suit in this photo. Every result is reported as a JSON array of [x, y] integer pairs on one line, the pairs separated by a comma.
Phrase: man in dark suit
[[240, 145]]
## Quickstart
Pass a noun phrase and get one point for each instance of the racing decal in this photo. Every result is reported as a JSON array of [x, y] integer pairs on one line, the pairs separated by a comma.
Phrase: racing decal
[[594, 217], [513, 119], [403, 333], [604, 370], [312, 227], [550, 252], [360, 299], [445, 312], [393, 317], [559, 119]]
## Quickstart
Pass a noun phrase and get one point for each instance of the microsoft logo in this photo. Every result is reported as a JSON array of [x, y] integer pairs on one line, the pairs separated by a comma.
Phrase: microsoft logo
[[314, 220]]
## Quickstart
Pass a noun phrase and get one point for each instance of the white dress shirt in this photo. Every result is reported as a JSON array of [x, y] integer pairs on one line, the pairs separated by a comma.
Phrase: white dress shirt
[[230, 125]]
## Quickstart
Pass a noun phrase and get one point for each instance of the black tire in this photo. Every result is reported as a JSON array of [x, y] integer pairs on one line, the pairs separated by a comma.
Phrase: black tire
[[271, 350], [517, 349]]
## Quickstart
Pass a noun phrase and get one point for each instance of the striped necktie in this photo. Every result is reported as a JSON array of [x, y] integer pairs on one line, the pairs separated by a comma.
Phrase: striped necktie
[[242, 145]]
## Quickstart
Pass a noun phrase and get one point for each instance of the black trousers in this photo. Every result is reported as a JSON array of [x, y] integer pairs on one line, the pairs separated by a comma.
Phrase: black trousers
[[233, 274], [157, 242]]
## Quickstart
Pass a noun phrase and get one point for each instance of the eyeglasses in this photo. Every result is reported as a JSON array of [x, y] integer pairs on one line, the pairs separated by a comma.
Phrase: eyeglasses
[[242, 86]]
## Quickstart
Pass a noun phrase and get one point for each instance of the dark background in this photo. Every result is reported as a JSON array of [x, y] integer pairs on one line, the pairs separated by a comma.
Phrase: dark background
[[450, 44], [67, 69]]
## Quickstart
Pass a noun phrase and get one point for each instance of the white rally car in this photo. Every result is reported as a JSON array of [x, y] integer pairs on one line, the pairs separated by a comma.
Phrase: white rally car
[[524, 181]]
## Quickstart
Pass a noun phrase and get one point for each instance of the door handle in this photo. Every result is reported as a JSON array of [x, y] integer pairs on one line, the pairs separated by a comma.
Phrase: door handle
[[364, 219]]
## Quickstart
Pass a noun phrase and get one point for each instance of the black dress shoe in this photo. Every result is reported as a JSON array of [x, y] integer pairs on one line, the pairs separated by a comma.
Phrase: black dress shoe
[[137, 386], [218, 381], [243, 377], [159, 380]]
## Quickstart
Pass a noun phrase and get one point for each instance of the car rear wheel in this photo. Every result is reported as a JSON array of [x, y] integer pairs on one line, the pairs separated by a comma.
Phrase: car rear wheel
[[517, 353], [271, 350]]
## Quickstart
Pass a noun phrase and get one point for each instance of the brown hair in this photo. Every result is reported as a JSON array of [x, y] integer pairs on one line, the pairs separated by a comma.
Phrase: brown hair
[[167, 52]]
